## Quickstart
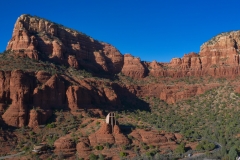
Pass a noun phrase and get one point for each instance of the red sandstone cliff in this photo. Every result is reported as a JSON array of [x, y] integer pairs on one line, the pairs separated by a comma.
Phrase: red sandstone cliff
[[133, 67], [41, 39], [31, 97], [38, 38], [219, 57]]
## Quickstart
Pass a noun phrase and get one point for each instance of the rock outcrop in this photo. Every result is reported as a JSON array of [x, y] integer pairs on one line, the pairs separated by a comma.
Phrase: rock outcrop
[[28, 98], [20, 87], [133, 67], [154, 138], [65, 146], [106, 135], [83, 149], [172, 94], [221, 50], [219, 57], [102, 136], [38, 38]]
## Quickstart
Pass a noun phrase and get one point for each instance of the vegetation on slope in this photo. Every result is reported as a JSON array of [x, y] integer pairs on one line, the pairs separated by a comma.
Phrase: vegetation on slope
[[213, 115]]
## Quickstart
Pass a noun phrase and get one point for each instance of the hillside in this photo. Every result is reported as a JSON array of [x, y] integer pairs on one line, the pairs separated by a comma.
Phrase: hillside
[[58, 84]]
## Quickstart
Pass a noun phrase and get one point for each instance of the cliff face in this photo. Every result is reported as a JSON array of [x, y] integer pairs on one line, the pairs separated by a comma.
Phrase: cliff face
[[29, 98], [41, 39], [38, 38], [219, 57], [133, 67]]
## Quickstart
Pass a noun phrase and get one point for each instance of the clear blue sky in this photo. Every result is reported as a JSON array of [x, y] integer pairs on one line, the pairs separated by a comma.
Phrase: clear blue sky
[[150, 29]]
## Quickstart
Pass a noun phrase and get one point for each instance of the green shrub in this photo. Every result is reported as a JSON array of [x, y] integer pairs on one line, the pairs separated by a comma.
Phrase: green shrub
[[51, 125], [180, 148], [145, 147], [151, 153], [123, 154], [93, 157], [151, 146], [99, 147], [205, 145], [124, 147]]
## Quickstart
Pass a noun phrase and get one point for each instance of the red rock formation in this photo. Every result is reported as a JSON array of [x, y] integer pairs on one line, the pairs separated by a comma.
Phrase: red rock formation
[[23, 91], [72, 61], [39, 38], [20, 94], [43, 77], [221, 49], [33, 120], [50, 94], [175, 93], [102, 136], [116, 129], [156, 69], [218, 57], [106, 135], [77, 97], [64, 146], [133, 67], [120, 138], [83, 95], [83, 149], [38, 117], [178, 136], [152, 138], [4, 90]]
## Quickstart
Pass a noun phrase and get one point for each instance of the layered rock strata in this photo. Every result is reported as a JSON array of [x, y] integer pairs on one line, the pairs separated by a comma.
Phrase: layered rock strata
[[38, 38], [29, 98]]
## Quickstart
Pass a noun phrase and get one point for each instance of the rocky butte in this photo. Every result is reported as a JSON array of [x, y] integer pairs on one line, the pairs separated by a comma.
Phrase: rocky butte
[[78, 73]]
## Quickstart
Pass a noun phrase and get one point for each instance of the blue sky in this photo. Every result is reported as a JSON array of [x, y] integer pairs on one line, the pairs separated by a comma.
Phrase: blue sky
[[150, 29]]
